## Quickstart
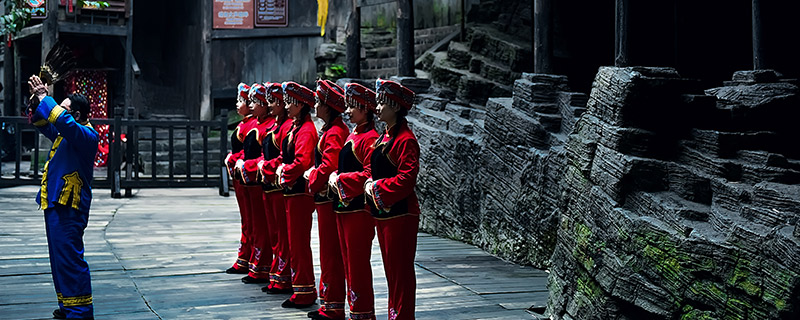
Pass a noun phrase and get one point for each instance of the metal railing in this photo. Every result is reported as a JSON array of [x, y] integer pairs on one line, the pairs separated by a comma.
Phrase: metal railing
[[125, 169]]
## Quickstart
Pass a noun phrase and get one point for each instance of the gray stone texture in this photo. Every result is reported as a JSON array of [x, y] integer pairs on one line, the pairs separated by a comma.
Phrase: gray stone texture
[[648, 198], [488, 173], [679, 206]]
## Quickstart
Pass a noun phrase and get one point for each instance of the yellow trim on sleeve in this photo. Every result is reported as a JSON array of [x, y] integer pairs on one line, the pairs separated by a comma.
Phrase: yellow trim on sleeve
[[55, 113], [40, 123], [43, 196]]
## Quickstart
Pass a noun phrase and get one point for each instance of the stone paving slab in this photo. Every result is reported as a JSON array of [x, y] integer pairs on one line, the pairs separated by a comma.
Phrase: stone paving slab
[[161, 254]]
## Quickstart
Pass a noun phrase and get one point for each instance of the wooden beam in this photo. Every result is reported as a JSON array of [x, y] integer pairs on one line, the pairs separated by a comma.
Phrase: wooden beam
[[353, 41], [264, 33], [621, 27], [93, 29], [405, 38], [542, 36], [28, 31]]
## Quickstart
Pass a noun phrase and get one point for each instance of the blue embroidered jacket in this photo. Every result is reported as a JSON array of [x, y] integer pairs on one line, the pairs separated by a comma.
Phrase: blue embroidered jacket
[[67, 175]]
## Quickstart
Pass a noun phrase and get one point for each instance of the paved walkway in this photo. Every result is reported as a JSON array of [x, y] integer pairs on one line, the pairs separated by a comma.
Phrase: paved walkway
[[161, 255]]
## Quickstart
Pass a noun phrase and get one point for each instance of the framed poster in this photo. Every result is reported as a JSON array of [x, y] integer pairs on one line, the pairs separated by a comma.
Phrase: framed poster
[[272, 13], [233, 14], [39, 9]]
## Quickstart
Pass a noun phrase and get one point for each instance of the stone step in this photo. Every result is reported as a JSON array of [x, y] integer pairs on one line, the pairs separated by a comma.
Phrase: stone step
[[179, 168], [507, 126], [145, 133], [197, 156], [378, 63], [536, 92], [383, 73], [471, 87], [459, 55], [476, 89], [515, 54], [489, 69], [550, 122], [417, 84], [178, 144], [462, 58]]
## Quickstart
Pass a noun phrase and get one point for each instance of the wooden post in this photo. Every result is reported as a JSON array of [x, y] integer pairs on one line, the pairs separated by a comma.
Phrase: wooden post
[[542, 41], [18, 81], [205, 71], [405, 38], [223, 148], [353, 42], [49, 29], [9, 106], [621, 58], [758, 47], [129, 60], [115, 154]]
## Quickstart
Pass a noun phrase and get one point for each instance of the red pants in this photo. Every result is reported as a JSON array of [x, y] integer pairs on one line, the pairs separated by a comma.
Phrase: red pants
[[261, 257], [299, 209], [331, 280], [243, 259], [356, 232], [280, 276], [398, 241]]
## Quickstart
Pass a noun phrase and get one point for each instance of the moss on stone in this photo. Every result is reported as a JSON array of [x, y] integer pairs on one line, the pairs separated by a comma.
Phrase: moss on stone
[[710, 290], [736, 309], [690, 313]]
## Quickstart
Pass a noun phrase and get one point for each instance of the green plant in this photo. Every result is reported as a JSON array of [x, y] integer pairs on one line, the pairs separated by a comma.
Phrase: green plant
[[17, 15], [335, 71]]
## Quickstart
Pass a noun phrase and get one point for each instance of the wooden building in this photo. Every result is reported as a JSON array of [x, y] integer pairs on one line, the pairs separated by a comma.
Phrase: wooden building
[[167, 58]]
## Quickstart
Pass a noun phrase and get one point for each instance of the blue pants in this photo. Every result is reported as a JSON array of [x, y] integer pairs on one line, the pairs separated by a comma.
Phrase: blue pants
[[65, 227]]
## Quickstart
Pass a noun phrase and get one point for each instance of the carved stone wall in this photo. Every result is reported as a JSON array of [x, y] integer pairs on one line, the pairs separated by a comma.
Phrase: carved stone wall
[[488, 174], [680, 205]]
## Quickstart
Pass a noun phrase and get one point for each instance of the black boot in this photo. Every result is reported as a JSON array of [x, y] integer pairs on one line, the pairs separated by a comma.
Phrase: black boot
[[249, 279], [58, 314], [290, 304], [233, 270]]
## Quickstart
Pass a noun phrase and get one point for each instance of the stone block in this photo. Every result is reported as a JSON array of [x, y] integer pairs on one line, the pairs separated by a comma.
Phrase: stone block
[[476, 89], [756, 76], [638, 97], [550, 122], [459, 55], [417, 85], [512, 127]]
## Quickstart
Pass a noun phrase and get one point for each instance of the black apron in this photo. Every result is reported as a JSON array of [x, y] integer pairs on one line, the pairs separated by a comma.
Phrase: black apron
[[318, 198], [348, 162], [382, 167], [252, 149], [269, 147], [236, 146], [299, 186]]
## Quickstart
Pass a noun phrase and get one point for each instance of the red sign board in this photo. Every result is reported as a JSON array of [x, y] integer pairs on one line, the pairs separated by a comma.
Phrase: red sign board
[[233, 14]]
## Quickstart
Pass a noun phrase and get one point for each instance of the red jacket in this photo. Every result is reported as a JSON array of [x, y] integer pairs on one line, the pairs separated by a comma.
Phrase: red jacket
[[260, 130], [351, 184], [328, 147], [404, 155], [297, 154], [237, 140], [277, 133]]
